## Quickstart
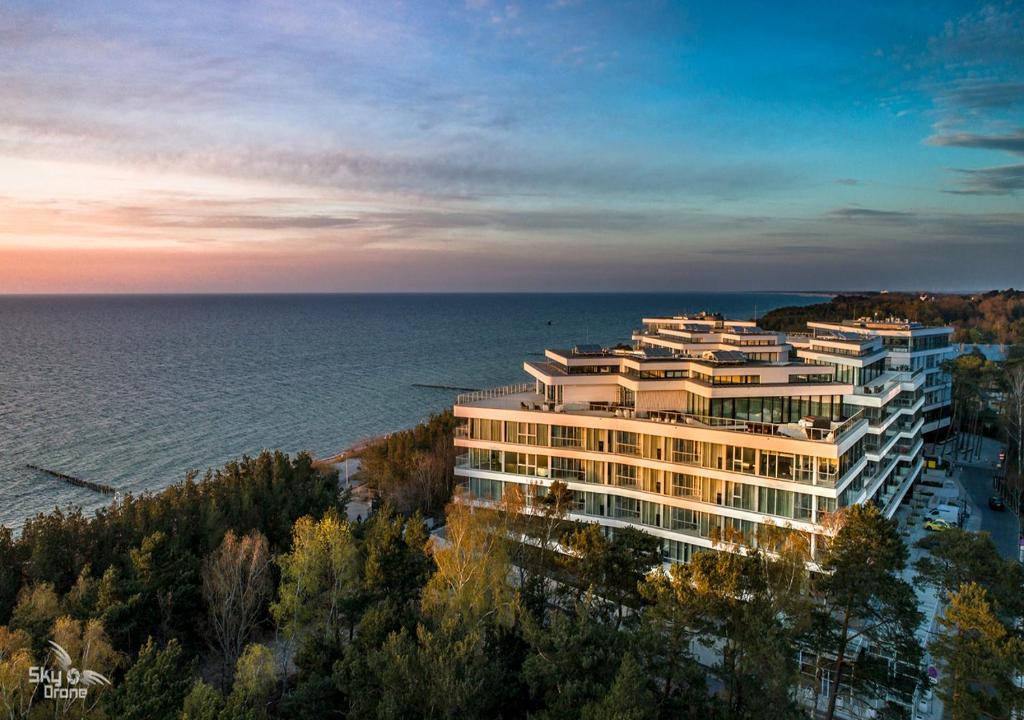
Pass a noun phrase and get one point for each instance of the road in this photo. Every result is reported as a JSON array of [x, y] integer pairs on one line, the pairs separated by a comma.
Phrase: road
[[976, 478]]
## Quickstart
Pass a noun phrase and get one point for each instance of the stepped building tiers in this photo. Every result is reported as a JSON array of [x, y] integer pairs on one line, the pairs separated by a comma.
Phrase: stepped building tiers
[[708, 426]]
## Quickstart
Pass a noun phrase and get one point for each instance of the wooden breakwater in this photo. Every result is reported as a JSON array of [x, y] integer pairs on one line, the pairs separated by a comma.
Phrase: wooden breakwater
[[444, 387], [72, 480]]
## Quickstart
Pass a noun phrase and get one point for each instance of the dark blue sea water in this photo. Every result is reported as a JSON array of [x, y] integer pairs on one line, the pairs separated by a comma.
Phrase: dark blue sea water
[[133, 391]]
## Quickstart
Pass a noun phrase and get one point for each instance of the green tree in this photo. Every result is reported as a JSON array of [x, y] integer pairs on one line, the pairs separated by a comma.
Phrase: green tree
[[629, 698], [17, 693], [10, 572], [980, 659], [392, 682], [471, 580], [397, 563], [165, 586], [670, 625], [154, 688], [573, 660], [739, 617], [413, 469], [255, 678], [203, 702], [38, 606], [469, 615], [320, 592], [958, 557], [612, 569], [863, 599]]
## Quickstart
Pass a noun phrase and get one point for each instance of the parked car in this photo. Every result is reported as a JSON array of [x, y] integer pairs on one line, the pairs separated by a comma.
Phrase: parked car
[[947, 512], [938, 525], [996, 503]]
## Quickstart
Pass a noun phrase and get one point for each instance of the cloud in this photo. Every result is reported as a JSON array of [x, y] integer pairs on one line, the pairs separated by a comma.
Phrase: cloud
[[847, 181], [871, 215], [1011, 142], [981, 94], [999, 180], [995, 33], [924, 225], [972, 72]]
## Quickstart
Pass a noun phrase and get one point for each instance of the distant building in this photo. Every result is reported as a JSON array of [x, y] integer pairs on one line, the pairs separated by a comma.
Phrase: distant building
[[708, 425]]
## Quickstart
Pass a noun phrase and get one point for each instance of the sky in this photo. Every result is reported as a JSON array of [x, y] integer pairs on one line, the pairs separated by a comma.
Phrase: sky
[[562, 145]]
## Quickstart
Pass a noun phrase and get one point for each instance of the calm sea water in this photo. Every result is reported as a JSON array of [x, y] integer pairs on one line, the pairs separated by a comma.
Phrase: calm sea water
[[135, 391]]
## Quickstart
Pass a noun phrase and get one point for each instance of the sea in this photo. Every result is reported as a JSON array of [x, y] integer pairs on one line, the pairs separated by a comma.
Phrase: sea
[[135, 391]]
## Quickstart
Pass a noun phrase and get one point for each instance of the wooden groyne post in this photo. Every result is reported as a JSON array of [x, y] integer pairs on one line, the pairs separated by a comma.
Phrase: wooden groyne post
[[72, 480], [444, 387]]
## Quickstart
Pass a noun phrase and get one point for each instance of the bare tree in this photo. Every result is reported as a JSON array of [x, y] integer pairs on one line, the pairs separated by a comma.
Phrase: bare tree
[[236, 587]]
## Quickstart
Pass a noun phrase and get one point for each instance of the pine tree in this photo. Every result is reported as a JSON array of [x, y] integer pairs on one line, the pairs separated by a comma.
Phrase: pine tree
[[863, 600], [979, 656], [154, 688]]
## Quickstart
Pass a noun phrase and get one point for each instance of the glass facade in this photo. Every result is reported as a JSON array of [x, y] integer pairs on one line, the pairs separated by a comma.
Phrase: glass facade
[[768, 409]]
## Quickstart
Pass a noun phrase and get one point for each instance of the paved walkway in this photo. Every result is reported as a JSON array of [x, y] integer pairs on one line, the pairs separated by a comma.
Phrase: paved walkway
[[973, 480], [911, 519]]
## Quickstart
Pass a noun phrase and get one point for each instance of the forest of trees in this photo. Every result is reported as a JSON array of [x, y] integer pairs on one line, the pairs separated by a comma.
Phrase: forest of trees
[[412, 469], [248, 595], [991, 317]]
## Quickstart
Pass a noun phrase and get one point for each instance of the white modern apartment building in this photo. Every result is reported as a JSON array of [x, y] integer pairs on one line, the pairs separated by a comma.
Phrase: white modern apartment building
[[707, 426]]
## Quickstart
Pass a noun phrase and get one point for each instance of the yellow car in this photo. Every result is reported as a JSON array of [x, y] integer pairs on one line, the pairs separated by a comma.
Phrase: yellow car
[[937, 524]]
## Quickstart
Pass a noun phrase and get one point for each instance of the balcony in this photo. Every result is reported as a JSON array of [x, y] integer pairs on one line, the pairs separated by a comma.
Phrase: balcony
[[795, 431], [514, 397], [886, 382], [505, 390]]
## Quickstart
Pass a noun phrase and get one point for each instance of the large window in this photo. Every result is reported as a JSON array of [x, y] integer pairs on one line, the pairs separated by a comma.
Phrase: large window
[[738, 495], [740, 459], [481, 429], [777, 465], [684, 485], [485, 489], [785, 503], [627, 508], [627, 443], [485, 459], [685, 451], [826, 506], [627, 398], [677, 551], [803, 506], [650, 513], [690, 521], [772, 501], [522, 433], [562, 436], [526, 464], [768, 409], [851, 457], [625, 475], [567, 469]]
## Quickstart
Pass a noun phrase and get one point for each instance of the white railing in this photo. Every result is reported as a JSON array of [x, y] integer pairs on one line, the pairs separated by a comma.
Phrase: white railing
[[470, 397]]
